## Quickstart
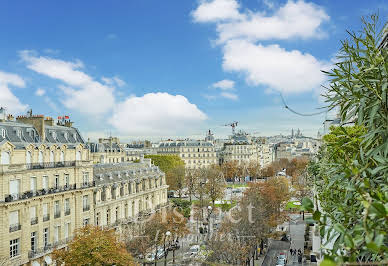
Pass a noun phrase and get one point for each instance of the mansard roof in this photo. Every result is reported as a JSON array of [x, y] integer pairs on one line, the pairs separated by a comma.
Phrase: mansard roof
[[21, 135]]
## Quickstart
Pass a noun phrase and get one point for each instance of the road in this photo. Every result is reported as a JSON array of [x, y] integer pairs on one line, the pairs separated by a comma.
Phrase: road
[[275, 247]]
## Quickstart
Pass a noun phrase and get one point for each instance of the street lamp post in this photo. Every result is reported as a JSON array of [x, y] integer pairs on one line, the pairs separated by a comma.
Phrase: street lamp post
[[168, 233]]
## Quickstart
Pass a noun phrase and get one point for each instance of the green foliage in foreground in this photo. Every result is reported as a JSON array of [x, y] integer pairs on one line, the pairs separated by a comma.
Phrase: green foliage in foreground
[[351, 173]]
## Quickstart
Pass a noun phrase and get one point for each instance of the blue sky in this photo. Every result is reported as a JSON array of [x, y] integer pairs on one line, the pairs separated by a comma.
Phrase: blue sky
[[151, 69]]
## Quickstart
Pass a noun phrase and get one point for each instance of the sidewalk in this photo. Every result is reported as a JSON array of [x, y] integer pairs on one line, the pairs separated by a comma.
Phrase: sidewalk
[[297, 229]]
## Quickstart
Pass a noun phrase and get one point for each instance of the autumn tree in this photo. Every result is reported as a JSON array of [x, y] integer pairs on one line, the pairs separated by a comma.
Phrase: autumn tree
[[93, 245], [214, 184], [191, 182], [175, 178]]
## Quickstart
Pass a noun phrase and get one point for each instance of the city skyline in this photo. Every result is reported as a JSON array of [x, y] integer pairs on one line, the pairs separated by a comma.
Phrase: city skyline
[[148, 70]]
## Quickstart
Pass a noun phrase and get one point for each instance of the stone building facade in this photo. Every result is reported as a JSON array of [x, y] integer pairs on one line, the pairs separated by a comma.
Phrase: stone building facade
[[126, 191], [195, 153], [46, 189]]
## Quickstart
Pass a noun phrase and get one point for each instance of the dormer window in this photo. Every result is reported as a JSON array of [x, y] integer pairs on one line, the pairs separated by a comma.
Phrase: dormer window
[[75, 136], [54, 135], [65, 135], [3, 133], [19, 133]]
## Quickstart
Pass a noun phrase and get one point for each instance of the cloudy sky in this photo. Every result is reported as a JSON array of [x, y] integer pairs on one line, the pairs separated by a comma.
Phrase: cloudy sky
[[151, 69]]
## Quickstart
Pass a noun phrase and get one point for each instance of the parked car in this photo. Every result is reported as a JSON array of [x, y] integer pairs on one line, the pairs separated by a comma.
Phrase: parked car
[[281, 262]]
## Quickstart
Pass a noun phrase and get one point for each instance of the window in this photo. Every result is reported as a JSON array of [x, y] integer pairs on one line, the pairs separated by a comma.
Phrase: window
[[5, 157], [85, 178], [46, 237], [45, 182], [14, 248], [117, 213], [67, 230], [33, 216], [51, 156], [67, 206], [56, 183], [67, 180], [57, 211], [40, 157], [78, 156], [108, 217], [62, 157], [85, 203], [28, 157], [14, 188], [46, 216], [13, 220], [34, 243], [33, 184], [3, 133], [57, 230], [98, 219], [19, 133]]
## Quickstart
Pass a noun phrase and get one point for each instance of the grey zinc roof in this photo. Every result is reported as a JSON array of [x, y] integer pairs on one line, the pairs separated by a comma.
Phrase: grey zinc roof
[[187, 143], [123, 172], [28, 135]]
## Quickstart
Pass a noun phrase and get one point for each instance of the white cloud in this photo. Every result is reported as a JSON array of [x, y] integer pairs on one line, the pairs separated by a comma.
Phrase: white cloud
[[229, 95], [114, 81], [7, 99], [269, 4], [216, 10], [287, 71], [40, 92], [156, 114], [82, 92], [294, 19], [224, 84]]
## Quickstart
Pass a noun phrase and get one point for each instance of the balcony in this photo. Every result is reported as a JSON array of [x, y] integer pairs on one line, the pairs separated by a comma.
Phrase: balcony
[[57, 214], [39, 252], [41, 192], [34, 220], [50, 165], [86, 208], [14, 227], [67, 212], [46, 217], [88, 184]]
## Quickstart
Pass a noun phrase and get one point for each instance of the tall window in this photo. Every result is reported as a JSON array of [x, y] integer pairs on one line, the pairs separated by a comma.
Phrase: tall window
[[34, 243], [67, 206], [62, 158], [67, 180], [14, 248], [45, 182], [78, 156], [56, 179], [14, 219], [108, 216], [85, 202], [67, 230], [40, 157], [32, 214], [45, 212], [3, 133], [14, 188], [33, 184], [98, 219], [28, 157], [51, 156], [5, 158], [85, 178], [86, 221], [46, 237], [56, 233], [57, 211]]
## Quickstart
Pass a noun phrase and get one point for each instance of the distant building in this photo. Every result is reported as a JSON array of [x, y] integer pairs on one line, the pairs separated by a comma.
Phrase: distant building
[[195, 153]]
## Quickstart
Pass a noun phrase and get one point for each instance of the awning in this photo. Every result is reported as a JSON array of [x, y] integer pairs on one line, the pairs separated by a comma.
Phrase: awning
[[48, 260]]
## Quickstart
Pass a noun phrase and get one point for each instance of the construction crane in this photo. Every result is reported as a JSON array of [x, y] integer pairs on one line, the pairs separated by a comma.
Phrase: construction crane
[[233, 125]]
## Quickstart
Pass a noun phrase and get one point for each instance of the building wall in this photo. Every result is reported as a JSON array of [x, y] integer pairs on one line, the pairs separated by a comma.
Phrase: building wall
[[29, 197]]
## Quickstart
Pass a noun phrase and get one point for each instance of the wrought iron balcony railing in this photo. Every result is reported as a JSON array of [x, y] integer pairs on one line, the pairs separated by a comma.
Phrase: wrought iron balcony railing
[[46, 217], [34, 220], [14, 227]]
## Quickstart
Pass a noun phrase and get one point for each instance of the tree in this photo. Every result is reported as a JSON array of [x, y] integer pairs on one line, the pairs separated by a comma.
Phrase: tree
[[214, 184], [351, 172], [191, 182], [175, 178], [94, 246], [173, 167]]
